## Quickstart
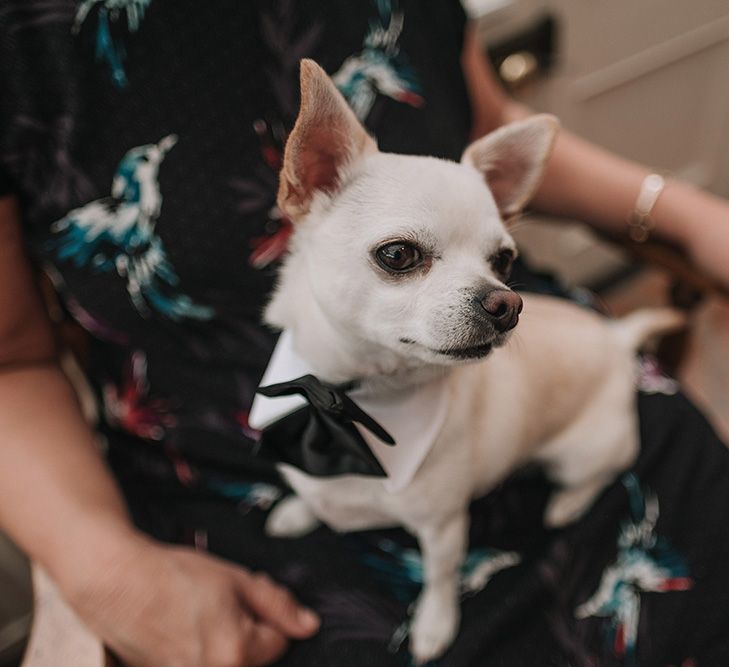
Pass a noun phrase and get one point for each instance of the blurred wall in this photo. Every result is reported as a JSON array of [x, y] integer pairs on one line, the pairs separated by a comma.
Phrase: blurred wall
[[648, 79]]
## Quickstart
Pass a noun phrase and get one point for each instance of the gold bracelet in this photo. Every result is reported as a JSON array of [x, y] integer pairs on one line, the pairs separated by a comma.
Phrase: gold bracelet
[[640, 222]]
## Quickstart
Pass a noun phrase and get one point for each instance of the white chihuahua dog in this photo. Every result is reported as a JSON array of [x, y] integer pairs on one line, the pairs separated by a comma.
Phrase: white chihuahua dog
[[396, 279]]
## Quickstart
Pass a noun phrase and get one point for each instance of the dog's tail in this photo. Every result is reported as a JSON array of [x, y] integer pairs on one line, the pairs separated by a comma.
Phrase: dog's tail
[[637, 328]]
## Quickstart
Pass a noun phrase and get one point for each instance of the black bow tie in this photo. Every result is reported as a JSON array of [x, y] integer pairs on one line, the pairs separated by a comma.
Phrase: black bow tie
[[320, 438]]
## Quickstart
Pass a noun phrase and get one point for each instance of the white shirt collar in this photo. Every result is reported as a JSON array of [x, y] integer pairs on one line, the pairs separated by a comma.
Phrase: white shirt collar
[[414, 416]]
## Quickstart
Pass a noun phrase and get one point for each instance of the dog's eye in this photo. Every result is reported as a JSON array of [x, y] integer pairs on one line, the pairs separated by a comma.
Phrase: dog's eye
[[398, 257], [502, 262]]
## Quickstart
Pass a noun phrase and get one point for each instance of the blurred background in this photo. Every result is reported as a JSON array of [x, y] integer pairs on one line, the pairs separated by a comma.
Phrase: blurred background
[[645, 78]]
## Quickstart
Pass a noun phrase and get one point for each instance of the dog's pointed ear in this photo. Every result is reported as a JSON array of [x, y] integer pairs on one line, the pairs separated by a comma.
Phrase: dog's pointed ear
[[327, 138], [512, 159]]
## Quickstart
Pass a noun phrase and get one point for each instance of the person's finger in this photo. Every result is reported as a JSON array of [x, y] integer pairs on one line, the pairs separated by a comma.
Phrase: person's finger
[[266, 645], [275, 605]]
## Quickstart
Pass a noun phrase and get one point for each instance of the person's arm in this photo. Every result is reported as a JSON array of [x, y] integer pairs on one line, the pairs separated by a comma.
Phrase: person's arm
[[588, 183], [46, 449], [153, 604]]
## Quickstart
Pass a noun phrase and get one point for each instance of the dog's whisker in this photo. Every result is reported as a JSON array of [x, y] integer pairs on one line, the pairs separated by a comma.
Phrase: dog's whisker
[[518, 341], [519, 223]]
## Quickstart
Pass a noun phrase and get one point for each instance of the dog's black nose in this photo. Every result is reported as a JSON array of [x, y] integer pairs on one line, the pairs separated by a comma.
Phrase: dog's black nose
[[502, 307]]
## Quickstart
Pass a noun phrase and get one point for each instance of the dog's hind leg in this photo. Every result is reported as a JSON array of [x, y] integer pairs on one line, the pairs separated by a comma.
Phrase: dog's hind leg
[[570, 503], [291, 518], [587, 459], [437, 611]]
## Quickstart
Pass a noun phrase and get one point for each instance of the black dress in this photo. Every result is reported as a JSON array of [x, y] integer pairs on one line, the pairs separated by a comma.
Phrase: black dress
[[143, 139]]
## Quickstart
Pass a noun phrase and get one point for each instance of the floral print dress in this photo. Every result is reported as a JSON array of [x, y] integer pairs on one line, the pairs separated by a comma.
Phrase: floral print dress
[[143, 139]]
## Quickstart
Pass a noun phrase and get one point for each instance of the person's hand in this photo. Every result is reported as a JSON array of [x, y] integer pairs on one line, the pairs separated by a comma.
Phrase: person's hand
[[163, 606]]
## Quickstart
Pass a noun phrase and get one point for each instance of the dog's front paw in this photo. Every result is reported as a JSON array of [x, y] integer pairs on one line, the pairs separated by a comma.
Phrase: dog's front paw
[[434, 627], [291, 518]]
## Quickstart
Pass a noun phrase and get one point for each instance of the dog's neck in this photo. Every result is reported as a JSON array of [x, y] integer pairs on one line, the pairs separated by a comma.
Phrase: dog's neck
[[340, 360]]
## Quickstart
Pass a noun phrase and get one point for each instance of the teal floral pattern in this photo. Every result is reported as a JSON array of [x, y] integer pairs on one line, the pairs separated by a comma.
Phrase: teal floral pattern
[[646, 563], [117, 233], [109, 49], [380, 68]]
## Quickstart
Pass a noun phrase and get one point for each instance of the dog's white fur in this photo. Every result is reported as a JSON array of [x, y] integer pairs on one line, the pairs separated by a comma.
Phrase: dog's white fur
[[560, 392]]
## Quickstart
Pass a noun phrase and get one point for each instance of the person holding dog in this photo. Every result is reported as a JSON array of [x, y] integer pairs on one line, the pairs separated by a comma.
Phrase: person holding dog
[[141, 178]]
